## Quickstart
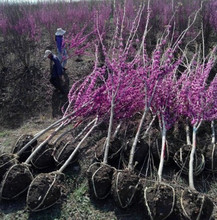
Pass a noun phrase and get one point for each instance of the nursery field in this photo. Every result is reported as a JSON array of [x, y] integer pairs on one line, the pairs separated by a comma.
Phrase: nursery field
[[132, 132], [75, 203]]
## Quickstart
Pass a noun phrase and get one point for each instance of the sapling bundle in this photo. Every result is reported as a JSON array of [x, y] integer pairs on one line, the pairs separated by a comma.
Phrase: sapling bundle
[[7, 160], [192, 82], [164, 106], [45, 190], [126, 184], [100, 174], [198, 103], [18, 177]]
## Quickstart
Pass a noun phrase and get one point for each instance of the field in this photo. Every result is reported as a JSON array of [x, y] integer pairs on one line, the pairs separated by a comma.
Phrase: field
[[134, 132]]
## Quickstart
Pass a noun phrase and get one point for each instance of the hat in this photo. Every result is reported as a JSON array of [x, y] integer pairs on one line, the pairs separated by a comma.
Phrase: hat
[[47, 53], [60, 31]]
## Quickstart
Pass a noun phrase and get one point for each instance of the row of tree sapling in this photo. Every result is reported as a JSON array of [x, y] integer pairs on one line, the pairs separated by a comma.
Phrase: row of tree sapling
[[161, 96]]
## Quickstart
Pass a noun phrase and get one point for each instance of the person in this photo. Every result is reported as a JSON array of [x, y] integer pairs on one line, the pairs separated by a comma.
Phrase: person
[[61, 50], [56, 71]]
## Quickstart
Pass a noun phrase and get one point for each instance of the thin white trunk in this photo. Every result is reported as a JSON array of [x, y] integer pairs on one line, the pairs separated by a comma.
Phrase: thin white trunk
[[117, 130], [44, 142], [78, 146], [146, 29], [108, 139], [213, 131], [61, 136], [132, 152], [149, 127], [213, 143], [187, 128], [191, 161], [163, 148], [43, 132]]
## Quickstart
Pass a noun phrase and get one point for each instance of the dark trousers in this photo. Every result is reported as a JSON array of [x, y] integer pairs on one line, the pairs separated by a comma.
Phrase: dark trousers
[[56, 82]]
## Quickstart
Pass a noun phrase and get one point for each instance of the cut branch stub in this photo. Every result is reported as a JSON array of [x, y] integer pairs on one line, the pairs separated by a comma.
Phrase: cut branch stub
[[15, 181], [21, 142], [196, 206], [44, 191], [160, 201], [126, 188], [100, 180]]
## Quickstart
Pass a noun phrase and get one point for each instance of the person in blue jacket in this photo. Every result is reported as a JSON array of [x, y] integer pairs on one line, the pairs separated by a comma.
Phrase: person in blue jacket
[[61, 50], [56, 71]]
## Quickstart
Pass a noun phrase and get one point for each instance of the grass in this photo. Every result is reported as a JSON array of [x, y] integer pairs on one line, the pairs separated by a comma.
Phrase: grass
[[6, 141], [4, 133], [83, 208]]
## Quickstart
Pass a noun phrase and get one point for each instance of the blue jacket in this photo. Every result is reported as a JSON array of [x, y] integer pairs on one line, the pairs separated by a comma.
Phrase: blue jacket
[[59, 40], [57, 69]]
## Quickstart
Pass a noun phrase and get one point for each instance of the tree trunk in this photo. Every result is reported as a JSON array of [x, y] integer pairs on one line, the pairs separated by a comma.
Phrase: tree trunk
[[163, 147]]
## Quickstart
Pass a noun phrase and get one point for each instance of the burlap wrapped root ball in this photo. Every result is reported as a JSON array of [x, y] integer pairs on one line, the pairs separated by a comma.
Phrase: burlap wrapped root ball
[[44, 191], [6, 161], [195, 205], [100, 180], [159, 201], [126, 188], [15, 181]]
